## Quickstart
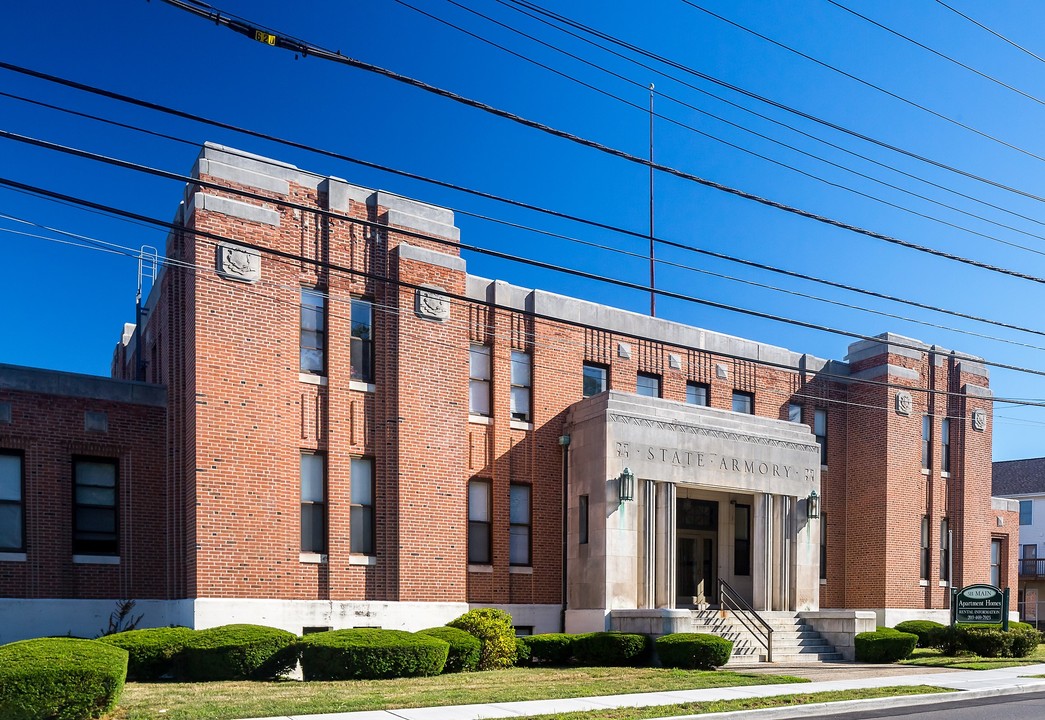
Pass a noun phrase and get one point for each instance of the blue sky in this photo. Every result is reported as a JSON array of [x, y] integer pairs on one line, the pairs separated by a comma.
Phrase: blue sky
[[64, 306]]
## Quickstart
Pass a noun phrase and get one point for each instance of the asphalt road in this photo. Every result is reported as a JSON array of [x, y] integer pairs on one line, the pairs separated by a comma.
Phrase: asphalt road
[[1016, 707]]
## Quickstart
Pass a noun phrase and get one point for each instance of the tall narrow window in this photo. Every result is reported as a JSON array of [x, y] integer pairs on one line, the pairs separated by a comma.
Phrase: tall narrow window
[[742, 540], [12, 512], [522, 372], [794, 412], [582, 519], [820, 431], [362, 341], [313, 504], [94, 521], [823, 545], [1026, 512], [479, 380], [479, 522], [924, 573], [361, 518], [996, 563], [696, 393], [594, 379], [926, 431], [743, 402], [313, 332], [1029, 562], [945, 551], [648, 385], [519, 528], [945, 445]]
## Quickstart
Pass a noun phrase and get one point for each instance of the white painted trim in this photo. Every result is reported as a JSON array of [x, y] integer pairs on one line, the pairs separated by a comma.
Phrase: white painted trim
[[310, 379], [362, 386], [96, 559], [12, 557], [362, 560], [312, 558]]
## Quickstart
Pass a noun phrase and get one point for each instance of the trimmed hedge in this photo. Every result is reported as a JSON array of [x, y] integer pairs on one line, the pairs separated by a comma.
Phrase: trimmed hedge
[[611, 648], [989, 640], [239, 652], [551, 648], [371, 653], [693, 651], [153, 652], [928, 631], [464, 648], [60, 679], [494, 630], [522, 650], [884, 645]]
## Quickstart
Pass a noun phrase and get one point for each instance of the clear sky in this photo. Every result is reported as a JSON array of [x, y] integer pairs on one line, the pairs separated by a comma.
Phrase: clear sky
[[64, 306]]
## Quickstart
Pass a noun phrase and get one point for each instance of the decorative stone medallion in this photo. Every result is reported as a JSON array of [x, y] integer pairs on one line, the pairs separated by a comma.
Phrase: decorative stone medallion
[[432, 304], [236, 262], [904, 403], [979, 420], [624, 350], [674, 361]]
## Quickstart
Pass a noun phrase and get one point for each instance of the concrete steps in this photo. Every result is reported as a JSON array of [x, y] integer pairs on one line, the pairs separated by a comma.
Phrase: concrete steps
[[794, 641]]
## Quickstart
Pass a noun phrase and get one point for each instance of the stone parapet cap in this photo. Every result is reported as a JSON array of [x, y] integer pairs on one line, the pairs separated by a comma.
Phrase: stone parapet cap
[[92, 387]]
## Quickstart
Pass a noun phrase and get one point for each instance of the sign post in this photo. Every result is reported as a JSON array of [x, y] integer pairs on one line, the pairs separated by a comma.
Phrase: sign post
[[980, 604]]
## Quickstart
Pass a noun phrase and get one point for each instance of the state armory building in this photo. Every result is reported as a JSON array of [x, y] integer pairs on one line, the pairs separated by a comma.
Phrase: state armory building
[[322, 420]]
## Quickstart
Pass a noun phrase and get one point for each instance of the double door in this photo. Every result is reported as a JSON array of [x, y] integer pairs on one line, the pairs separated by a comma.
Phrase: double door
[[695, 563]]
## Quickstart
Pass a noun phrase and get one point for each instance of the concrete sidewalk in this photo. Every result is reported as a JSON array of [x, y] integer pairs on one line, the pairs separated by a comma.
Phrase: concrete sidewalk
[[973, 684]]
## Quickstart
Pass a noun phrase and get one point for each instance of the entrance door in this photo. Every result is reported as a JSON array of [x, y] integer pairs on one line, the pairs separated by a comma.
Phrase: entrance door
[[695, 580]]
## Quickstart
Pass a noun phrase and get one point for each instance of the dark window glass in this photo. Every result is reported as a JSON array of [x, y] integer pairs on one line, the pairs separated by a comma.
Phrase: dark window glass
[[945, 445], [820, 431], [1026, 511], [926, 431], [742, 541], [362, 341], [313, 504], [361, 513], [582, 520], [945, 551], [648, 385], [519, 525], [823, 545], [521, 375], [925, 548], [743, 402], [696, 393], [594, 379], [479, 522], [313, 332], [12, 512], [94, 507]]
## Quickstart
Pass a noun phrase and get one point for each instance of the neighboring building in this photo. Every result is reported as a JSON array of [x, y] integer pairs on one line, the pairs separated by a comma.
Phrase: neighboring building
[[355, 432], [1023, 481]]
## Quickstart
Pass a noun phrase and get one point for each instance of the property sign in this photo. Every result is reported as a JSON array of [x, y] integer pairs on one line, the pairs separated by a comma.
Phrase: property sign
[[981, 604]]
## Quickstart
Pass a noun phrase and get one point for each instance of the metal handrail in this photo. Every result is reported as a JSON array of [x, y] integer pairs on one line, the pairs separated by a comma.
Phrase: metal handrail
[[732, 600]]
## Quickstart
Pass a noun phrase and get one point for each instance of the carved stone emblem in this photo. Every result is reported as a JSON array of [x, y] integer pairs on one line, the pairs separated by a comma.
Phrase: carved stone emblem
[[624, 350], [979, 420], [236, 262], [674, 361], [432, 304], [904, 403]]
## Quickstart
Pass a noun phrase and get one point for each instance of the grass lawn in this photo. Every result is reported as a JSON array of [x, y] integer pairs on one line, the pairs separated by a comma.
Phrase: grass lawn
[[225, 700], [934, 658]]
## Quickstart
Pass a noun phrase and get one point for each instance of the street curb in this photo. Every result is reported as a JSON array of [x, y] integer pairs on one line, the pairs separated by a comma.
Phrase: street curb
[[848, 706]]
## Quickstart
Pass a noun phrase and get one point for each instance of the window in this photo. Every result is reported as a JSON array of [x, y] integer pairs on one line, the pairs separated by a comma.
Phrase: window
[[742, 540], [94, 519], [519, 529], [996, 563], [924, 573], [582, 519], [1026, 511], [794, 412], [313, 504], [823, 545], [696, 393], [594, 379], [313, 332], [743, 402], [361, 518], [1029, 562], [820, 431], [12, 516], [479, 522], [926, 428], [521, 379], [362, 341], [945, 445], [479, 380], [945, 551], [648, 385]]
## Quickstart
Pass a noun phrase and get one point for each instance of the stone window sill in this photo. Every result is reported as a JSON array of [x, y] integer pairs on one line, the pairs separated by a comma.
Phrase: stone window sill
[[944, 583], [521, 425], [365, 560], [313, 558], [925, 471], [823, 581], [945, 474], [12, 557], [362, 386], [320, 380], [480, 568], [923, 583], [480, 420], [96, 559], [520, 570]]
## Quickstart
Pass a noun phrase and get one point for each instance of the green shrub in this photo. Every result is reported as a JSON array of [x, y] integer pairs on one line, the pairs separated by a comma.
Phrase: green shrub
[[522, 650], [464, 648], [611, 648], [153, 652], [989, 640], [60, 679], [551, 648], [885, 645], [693, 650], [1025, 639], [239, 652], [494, 630], [371, 653], [928, 632]]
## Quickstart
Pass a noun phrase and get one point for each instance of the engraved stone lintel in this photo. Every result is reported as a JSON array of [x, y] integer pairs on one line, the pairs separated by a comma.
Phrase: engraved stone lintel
[[236, 262], [674, 361], [430, 303], [624, 350], [904, 403], [979, 420]]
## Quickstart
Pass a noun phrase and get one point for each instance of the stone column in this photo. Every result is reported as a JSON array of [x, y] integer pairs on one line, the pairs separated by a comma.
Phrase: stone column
[[649, 546], [761, 565], [665, 542]]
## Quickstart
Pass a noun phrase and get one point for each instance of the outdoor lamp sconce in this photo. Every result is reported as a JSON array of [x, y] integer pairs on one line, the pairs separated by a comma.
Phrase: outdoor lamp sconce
[[626, 479], [813, 506]]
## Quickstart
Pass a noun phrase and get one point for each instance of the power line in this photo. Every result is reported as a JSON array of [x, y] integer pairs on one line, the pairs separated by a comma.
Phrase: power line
[[995, 33], [287, 43]]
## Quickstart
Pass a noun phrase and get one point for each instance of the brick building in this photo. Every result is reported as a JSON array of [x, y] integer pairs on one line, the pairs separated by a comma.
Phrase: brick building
[[323, 421]]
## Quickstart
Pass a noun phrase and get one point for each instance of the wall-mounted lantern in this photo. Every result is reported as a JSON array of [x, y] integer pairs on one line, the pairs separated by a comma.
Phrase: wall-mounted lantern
[[626, 481], [813, 505]]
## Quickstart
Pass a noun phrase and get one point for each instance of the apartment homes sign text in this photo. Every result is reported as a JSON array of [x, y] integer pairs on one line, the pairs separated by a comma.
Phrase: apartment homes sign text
[[981, 604]]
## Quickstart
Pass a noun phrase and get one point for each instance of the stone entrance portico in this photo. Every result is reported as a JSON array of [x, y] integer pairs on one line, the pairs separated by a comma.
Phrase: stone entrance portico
[[718, 495]]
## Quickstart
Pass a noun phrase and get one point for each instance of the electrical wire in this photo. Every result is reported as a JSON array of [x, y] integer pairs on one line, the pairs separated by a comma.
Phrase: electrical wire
[[995, 33]]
